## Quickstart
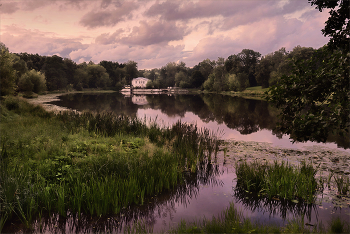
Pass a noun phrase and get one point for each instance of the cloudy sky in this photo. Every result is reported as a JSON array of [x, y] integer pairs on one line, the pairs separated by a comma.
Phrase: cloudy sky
[[153, 33]]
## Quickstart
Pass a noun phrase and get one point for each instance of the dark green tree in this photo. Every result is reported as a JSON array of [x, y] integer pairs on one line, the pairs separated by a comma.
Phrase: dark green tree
[[32, 81], [338, 25], [197, 79], [249, 59], [314, 98], [7, 72], [130, 71], [54, 70], [97, 76]]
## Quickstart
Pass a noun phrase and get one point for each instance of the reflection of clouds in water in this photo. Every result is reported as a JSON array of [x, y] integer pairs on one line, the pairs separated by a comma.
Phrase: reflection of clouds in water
[[227, 133]]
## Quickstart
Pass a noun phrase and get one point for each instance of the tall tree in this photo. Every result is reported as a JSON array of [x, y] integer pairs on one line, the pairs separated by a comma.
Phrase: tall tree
[[130, 71], [54, 70], [249, 59], [338, 25], [7, 73]]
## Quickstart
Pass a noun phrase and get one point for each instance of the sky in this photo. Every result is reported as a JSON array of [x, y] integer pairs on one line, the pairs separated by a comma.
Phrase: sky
[[154, 33]]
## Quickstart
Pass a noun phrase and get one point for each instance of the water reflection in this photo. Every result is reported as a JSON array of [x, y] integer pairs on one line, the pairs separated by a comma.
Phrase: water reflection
[[275, 207], [246, 116]]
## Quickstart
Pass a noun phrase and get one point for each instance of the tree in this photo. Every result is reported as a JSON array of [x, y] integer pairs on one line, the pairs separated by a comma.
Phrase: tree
[[32, 81], [130, 71], [197, 79], [54, 70], [314, 98], [338, 24], [7, 72], [97, 76], [249, 60]]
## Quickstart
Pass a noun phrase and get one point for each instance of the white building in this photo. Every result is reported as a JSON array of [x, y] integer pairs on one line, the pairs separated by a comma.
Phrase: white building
[[139, 82]]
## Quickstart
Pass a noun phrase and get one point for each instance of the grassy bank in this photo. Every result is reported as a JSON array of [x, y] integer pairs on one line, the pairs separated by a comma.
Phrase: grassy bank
[[87, 163], [256, 92]]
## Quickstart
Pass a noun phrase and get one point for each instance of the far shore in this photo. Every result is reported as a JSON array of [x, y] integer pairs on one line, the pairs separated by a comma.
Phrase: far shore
[[44, 99]]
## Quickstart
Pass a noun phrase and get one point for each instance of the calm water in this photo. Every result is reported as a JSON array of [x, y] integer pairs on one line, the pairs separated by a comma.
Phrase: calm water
[[211, 190], [231, 117]]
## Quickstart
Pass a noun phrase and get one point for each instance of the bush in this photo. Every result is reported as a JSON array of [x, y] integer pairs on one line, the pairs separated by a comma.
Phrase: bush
[[32, 81]]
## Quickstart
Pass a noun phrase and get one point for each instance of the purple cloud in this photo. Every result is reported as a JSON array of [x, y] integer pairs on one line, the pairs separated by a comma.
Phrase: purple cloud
[[9, 7], [108, 17], [155, 32], [22, 40]]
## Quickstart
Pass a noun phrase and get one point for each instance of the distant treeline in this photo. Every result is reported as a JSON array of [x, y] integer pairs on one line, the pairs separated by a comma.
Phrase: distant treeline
[[29, 73]]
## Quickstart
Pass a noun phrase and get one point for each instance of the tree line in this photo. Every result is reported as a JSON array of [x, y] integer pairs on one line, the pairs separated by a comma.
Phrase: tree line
[[25, 72], [33, 73]]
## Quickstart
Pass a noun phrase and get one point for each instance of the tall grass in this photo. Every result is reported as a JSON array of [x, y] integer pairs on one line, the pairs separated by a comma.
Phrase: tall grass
[[89, 163], [278, 180]]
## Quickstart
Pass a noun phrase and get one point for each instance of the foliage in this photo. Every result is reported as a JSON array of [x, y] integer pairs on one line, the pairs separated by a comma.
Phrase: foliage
[[130, 71], [32, 81], [314, 99], [276, 180], [338, 25], [97, 76], [7, 72]]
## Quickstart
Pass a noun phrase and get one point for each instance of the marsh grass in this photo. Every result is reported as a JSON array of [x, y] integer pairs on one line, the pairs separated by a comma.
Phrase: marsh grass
[[278, 180], [89, 163], [342, 183]]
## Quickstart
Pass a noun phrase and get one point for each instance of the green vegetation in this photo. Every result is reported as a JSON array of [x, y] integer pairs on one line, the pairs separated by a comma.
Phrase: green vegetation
[[314, 95], [93, 164], [278, 180], [232, 221]]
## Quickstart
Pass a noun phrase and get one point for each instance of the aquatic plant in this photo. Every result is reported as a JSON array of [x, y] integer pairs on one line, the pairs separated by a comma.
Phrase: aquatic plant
[[343, 184], [278, 180]]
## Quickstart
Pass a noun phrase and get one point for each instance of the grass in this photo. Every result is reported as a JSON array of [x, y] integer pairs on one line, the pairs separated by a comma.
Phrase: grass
[[87, 163], [278, 180]]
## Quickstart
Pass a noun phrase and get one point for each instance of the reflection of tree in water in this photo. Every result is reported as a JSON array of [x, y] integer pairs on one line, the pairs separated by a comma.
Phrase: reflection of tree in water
[[99, 102], [175, 105], [244, 115], [274, 207], [163, 205]]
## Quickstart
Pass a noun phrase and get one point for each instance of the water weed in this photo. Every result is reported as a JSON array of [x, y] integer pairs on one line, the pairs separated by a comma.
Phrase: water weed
[[278, 180]]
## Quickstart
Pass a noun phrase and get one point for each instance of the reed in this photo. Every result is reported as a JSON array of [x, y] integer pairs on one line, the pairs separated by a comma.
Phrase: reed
[[278, 180], [343, 184]]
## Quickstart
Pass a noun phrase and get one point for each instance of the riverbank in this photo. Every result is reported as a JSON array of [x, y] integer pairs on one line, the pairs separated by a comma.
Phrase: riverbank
[[65, 145], [91, 164], [257, 93]]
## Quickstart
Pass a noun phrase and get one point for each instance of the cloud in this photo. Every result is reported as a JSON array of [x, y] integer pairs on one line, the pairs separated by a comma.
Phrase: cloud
[[154, 32], [265, 36], [147, 57], [108, 17], [107, 38], [19, 40], [9, 7]]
